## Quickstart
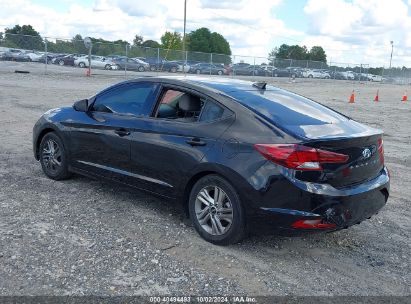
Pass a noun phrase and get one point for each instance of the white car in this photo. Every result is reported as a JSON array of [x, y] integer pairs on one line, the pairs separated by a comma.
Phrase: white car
[[372, 77], [315, 74], [34, 56], [97, 62]]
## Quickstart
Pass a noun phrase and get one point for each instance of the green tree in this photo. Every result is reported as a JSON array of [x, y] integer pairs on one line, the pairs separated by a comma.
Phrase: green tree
[[203, 40], [172, 41], [286, 51], [150, 44], [317, 53], [219, 44], [138, 40], [24, 37]]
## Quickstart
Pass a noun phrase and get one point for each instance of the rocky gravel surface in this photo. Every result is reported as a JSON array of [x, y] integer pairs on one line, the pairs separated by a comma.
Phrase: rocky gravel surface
[[83, 237]]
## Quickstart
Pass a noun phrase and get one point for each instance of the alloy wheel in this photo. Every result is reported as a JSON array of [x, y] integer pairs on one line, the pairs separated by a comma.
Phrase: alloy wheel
[[52, 156], [213, 210]]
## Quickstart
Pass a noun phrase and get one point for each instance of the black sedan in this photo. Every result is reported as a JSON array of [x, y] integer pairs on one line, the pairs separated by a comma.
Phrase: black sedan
[[64, 60], [229, 151]]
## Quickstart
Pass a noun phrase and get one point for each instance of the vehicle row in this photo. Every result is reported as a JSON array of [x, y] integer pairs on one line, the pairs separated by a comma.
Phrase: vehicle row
[[156, 63]]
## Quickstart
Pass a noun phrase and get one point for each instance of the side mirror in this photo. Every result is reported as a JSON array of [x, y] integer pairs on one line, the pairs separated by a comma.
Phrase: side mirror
[[81, 105]]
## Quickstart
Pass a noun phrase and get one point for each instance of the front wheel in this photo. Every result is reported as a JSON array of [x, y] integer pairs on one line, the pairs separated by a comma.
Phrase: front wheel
[[107, 67], [216, 211], [53, 157], [61, 62], [220, 73], [141, 68], [82, 65]]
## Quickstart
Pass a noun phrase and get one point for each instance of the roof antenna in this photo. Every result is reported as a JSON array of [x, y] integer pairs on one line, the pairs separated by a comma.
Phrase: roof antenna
[[260, 85]]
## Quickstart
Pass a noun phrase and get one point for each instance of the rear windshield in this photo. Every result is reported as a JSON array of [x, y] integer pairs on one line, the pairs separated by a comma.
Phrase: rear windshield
[[286, 108]]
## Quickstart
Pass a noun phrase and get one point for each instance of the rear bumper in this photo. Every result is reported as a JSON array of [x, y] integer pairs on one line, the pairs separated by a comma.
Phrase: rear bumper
[[340, 207]]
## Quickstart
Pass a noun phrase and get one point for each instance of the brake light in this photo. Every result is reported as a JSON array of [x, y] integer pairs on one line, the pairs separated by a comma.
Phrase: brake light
[[299, 157], [312, 224], [381, 150]]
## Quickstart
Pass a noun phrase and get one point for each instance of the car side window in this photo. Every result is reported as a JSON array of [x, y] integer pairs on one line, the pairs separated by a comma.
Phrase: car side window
[[185, 107], [211, 111], [130, 99], [180, 106]]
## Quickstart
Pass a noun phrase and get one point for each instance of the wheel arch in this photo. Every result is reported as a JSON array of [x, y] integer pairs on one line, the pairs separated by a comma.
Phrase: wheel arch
[[235, 179], [43, 133]]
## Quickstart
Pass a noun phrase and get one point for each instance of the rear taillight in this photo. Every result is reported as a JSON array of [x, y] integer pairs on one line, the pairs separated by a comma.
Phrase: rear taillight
[[299, 157], [312, 224], [381, 150]]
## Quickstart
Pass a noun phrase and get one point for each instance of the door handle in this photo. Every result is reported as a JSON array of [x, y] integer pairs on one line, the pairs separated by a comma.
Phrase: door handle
[[122, 132], [196, 142]]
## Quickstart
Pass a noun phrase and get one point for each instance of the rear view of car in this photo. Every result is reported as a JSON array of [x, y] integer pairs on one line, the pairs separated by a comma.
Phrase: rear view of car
[[231, 152]]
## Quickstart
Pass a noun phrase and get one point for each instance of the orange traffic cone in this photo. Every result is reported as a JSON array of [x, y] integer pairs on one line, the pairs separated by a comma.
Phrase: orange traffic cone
[[404, 97], [377, 97], [352, 97]]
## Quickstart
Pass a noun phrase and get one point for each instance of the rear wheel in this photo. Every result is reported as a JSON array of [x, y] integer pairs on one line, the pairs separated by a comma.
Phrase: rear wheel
[[107, 67], [198, 71], [141, 68], [220, 72], [61, 62], [53, 157], [216, 211], [173, 69]]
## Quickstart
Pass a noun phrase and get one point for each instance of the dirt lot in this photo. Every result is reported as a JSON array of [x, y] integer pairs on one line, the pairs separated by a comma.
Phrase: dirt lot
[[82, 236]]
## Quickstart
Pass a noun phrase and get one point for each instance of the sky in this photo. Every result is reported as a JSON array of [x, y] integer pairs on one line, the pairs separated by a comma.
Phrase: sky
[[351, 31]]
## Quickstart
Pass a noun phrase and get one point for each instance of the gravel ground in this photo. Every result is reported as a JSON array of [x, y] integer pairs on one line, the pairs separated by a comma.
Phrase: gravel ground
[[82, 236]]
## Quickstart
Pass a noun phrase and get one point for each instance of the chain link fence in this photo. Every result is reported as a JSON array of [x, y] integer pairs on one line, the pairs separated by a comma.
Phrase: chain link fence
[[132, 59]]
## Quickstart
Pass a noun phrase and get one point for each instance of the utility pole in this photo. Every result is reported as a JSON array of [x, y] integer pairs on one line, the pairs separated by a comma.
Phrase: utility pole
[[392, 49], [184, 37]]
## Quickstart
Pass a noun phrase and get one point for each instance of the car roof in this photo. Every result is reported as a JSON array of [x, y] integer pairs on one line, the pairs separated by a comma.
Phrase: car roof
[[224, 85]]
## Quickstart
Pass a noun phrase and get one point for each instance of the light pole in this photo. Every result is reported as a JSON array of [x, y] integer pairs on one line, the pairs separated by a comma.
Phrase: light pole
[[392, 49], [184, 28]]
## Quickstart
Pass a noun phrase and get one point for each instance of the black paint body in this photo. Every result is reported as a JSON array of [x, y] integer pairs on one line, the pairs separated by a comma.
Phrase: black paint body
[[154, 155]]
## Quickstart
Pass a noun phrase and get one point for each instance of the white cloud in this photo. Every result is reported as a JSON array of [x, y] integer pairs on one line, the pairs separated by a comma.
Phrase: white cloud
[[360, 30], [247, 26], [350, 30]]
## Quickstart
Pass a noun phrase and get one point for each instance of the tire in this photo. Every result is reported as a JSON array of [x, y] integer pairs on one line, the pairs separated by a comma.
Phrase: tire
[[225, 233], [173, 69], [310, 76], [82, 65], [220, 73], [61, 62], [57, 168], [152, 68], [198, 71], [141, 68], [107, 67]]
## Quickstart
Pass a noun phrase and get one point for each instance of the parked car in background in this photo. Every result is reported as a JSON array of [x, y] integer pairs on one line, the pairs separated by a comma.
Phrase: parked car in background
[[34, 56], [65, 60], [372, 77], [283, 73], [15, 55], [206, 68], [43, 58], [348, 75], [97, 62], [312, 73], [248, 69], [131, 64]]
